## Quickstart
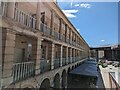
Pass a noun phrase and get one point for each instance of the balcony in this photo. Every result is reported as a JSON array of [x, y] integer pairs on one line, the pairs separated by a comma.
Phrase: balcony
[[56, 63], [45, 65], [63, 38], [64, 61], [23, 71], [45, 29], [73, 59], [24, 18], [56, 34], [69, 60], [67, 40]]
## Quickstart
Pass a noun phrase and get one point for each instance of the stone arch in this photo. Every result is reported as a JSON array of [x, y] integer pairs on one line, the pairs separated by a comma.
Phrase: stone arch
[[75, 65], [27, 87], [68, 70], [68, 76], [64, 79], [56, 81], [45, 84]]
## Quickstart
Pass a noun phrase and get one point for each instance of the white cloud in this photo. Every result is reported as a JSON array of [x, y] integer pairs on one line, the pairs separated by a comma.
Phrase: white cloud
[[77, 5], [83, 5], [102, 40], [70, 13], [71, 4], [78, 29]]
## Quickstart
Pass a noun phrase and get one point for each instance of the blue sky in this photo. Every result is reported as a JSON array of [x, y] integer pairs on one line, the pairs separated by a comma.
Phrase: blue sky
[[97, 22]]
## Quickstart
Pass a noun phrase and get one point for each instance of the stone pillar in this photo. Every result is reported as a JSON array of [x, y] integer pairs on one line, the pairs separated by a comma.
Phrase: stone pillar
[[8, 44], [60, 20], [38, 55], [11, 9], [66, 32], [66, 55], [60, 82], [38, 16], [74, 55], [1, 58], [70, 55], [66, 82], [52, 22], [53, 56], [61, 53]]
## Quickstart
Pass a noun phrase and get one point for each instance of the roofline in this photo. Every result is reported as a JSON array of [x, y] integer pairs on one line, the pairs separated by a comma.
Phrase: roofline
[[70, 23]]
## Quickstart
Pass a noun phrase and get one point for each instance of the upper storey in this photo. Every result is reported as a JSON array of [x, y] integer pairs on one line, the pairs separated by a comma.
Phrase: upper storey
[[46, 17]]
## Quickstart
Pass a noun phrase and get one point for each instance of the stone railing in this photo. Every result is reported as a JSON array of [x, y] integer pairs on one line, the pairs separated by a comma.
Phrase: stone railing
[[56, 63]]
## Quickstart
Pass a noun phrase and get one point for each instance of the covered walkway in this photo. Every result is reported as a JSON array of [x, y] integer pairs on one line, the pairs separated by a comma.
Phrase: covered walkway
[[87, 75], [88, 68]]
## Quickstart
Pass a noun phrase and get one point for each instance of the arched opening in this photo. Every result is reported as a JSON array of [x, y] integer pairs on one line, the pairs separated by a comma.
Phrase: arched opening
[[72, 67], [68, 70], [45, 84], [57, 81], [76, 65], [64, 79], [68, 76]]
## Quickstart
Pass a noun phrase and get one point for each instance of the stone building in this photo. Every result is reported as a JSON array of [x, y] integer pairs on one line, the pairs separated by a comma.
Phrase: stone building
[[39, 46], [111, 52]]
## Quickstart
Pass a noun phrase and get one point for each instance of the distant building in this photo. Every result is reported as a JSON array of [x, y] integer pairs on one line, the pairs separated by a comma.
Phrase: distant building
[[106, 52]]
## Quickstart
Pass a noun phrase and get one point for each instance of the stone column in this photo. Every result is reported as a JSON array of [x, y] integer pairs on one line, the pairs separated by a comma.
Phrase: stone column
[[74, 55], [60, 20], [52, 22], [38, 55], [38, 16], [66, 32], [11, 9], [70, 55], [66, 55], [66, 82], [61, 82], [53, 56], [1, 58], [61, 53], [8, 44]]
